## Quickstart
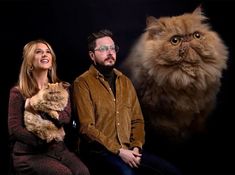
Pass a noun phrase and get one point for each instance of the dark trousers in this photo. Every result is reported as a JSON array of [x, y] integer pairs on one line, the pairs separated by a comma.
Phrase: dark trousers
[[106, 163]]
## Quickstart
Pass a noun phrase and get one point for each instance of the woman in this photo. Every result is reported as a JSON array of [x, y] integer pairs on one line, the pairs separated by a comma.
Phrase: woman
[[30, 154]]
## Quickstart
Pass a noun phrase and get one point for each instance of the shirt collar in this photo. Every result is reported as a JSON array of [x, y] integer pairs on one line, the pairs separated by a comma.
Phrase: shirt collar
[[97, 74]]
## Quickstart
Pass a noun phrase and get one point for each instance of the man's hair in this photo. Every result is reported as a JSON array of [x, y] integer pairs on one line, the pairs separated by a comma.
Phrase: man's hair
[[96, 35]]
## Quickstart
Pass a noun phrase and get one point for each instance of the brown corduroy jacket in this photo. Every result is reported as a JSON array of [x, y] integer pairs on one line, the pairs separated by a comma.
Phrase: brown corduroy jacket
[[114, 122]]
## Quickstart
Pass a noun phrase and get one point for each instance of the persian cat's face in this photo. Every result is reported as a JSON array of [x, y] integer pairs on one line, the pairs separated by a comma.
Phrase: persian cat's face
[[182, 50], [55, 92], [54, 96]]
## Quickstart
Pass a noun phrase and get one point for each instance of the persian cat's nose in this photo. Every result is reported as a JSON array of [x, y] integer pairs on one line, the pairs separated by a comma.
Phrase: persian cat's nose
[[183, 51]]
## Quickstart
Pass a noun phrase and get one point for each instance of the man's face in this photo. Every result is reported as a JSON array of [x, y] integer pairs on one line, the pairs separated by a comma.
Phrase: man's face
[[104, 52]]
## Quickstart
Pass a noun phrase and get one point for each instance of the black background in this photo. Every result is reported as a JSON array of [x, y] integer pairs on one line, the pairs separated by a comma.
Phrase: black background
[[66, 25]]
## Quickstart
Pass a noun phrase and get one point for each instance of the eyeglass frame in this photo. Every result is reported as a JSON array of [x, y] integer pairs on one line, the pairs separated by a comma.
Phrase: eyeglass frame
[[113, 48]]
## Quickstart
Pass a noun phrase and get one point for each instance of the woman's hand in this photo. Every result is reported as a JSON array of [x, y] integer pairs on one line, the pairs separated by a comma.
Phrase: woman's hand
[[27, 104]]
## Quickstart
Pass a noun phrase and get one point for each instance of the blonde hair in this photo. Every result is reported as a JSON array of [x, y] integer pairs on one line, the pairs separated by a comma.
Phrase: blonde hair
[[26, 83]]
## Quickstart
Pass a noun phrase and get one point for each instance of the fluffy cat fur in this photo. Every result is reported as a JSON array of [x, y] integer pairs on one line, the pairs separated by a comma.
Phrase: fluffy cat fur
[[176, 67], [50, 100]]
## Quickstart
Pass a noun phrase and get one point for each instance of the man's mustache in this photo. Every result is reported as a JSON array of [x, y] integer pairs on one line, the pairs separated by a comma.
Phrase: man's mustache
[[110, 57]]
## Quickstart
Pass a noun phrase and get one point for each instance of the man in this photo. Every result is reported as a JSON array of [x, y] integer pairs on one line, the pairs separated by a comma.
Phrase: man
[[110, 117]]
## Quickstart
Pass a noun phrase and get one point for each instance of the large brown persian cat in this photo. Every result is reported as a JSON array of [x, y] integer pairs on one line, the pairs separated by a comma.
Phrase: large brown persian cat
[[176, 67], [51, 99]]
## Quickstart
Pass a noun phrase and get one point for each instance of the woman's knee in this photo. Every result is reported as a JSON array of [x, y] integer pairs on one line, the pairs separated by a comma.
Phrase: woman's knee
[[82, 171]]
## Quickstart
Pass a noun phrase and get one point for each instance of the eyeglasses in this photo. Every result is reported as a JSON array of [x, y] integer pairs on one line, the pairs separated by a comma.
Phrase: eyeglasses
[[106, 48]]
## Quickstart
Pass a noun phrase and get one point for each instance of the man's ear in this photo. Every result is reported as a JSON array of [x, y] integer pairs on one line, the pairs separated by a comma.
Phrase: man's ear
[[91, 54]]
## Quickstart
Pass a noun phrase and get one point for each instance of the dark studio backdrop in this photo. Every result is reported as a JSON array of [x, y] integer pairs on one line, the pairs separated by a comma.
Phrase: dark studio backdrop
[[66, 25]]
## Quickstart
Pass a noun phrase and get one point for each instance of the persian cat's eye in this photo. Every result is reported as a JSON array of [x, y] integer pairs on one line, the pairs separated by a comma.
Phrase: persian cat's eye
[[175, 40], [197, 35]]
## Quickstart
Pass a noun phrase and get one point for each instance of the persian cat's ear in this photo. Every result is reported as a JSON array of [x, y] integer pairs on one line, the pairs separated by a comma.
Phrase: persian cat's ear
[[153, 26], [198, 10], [64, 84], [150, 20]]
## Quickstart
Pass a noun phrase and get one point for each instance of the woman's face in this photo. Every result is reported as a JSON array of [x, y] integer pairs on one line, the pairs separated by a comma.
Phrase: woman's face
[[42, 57]]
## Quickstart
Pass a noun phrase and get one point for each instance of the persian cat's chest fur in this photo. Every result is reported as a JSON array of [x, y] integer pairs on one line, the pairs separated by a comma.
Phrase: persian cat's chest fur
[[176, 67]]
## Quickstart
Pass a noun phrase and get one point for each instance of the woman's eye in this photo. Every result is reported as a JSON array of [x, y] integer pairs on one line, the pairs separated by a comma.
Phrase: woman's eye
[[38, 51]]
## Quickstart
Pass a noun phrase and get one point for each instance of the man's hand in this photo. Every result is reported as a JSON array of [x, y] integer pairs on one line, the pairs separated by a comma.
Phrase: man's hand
[[131, 157], [136, 150]]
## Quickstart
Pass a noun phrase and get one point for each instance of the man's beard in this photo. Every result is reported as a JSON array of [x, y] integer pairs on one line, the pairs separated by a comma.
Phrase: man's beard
[[104, 69]]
